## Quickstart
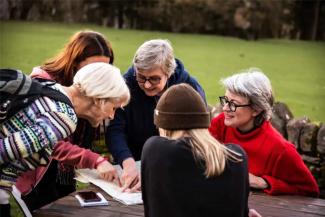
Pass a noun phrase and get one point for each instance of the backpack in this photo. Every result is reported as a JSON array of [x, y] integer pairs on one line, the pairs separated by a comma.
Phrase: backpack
[[18, 91]]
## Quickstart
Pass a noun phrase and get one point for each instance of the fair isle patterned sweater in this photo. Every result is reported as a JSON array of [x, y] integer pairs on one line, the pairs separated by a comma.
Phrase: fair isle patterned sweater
[[27, 139]]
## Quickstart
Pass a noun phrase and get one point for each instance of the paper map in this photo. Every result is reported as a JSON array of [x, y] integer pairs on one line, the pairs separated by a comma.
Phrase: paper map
[[111, 188]]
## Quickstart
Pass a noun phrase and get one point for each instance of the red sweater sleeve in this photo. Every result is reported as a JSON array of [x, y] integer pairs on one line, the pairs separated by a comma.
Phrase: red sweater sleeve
[[216, 128], [74, 155], [291, 176]]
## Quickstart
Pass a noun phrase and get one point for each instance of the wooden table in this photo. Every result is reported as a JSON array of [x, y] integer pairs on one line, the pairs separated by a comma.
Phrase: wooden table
[[286, 206], [267, 206]]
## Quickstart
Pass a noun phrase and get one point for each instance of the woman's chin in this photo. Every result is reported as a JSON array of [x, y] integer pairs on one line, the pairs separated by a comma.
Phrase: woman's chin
[[94, 123], [228, 123], [150, 93]]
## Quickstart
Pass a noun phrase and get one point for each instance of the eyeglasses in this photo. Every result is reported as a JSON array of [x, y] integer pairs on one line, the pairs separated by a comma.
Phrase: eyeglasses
[[154, 80], [232, 106]]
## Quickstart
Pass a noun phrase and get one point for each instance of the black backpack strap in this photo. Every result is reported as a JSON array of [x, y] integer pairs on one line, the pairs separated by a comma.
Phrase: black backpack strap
[[17, 91], [43, 88], [56, 95], [50, 92], [14, 86], [14, 82]]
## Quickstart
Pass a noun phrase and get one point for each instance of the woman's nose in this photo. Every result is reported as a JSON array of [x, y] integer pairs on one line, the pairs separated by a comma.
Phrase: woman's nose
[[225, 107], [111, 116], [147, 84]]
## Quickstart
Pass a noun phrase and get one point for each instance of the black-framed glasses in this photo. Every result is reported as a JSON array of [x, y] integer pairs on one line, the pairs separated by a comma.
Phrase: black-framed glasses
[[154, 80], [232, 106]]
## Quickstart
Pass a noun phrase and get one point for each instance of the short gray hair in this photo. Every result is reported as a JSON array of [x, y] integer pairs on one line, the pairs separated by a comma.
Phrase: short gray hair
[[155, 53], [256, 87], [102, 81]]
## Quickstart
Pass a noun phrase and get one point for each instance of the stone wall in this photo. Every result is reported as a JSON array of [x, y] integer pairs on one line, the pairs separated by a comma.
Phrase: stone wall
[[307, 136]]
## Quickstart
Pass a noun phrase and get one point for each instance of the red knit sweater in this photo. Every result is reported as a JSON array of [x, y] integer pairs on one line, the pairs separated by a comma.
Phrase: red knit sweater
[[271, 157]]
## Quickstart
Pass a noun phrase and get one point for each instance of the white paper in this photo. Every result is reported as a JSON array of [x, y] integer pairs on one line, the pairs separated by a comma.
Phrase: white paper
[[110, 188], [102, 202]]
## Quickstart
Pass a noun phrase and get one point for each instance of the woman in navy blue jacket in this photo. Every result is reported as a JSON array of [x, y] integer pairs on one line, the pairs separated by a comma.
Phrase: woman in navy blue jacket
[[154, 70]]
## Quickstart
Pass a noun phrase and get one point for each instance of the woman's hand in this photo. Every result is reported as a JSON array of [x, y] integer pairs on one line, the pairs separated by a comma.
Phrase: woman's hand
[[253, 213], [107, 171], [257, 182], [130, 176]]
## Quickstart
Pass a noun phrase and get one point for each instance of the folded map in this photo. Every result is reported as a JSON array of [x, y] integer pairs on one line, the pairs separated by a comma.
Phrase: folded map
[[111, 188]]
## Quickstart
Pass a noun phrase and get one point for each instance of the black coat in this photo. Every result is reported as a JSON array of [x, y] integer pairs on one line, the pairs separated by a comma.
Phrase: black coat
[[174, 184]]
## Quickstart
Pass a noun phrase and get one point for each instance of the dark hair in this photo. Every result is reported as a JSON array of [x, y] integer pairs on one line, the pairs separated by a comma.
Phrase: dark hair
[[82, 45], [101, 48]]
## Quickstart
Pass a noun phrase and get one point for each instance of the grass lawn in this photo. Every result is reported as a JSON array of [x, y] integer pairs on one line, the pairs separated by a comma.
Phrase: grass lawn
[[296, 68]]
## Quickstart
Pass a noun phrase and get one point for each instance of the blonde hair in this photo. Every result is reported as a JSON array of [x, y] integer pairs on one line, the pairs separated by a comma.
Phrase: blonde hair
[[207, 148], [102, 81]]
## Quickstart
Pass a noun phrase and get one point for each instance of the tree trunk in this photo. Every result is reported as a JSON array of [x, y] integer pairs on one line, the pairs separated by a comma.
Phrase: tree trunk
[[120, 14], [316, 19]]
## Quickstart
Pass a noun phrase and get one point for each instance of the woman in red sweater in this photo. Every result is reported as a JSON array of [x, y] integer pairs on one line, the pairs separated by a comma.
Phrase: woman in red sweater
[[274, 164]]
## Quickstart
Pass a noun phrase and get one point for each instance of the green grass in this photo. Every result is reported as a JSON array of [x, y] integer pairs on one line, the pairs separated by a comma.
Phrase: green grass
[[296, 68], [15, 210]]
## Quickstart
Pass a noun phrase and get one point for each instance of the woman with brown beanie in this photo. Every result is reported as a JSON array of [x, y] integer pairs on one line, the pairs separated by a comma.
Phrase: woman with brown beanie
[[185, 171]]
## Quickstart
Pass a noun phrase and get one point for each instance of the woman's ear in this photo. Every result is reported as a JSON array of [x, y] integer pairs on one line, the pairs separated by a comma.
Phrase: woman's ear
[[96, 101], [162, 132], [256, 113]]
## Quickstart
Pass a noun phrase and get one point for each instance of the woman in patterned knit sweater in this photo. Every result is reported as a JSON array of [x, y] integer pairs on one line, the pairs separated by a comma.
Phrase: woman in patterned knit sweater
[[98, 90], [275, 166], [83, 48]]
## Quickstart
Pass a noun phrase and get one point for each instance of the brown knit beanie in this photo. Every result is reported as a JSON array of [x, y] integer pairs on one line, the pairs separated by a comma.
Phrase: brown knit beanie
[[181, 107]]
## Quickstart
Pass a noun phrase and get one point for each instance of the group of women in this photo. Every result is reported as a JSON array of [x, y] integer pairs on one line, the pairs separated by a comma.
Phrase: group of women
[[190, 165]]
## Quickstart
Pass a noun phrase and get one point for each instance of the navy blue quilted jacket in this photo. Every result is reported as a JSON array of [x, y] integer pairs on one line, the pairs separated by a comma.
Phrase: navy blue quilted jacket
[[132, 126]]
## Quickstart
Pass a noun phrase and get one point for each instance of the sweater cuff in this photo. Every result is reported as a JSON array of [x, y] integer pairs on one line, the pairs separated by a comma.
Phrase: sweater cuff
[[273, 186], [268, 184], [122, 156], [101, 161], [90, 159]]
